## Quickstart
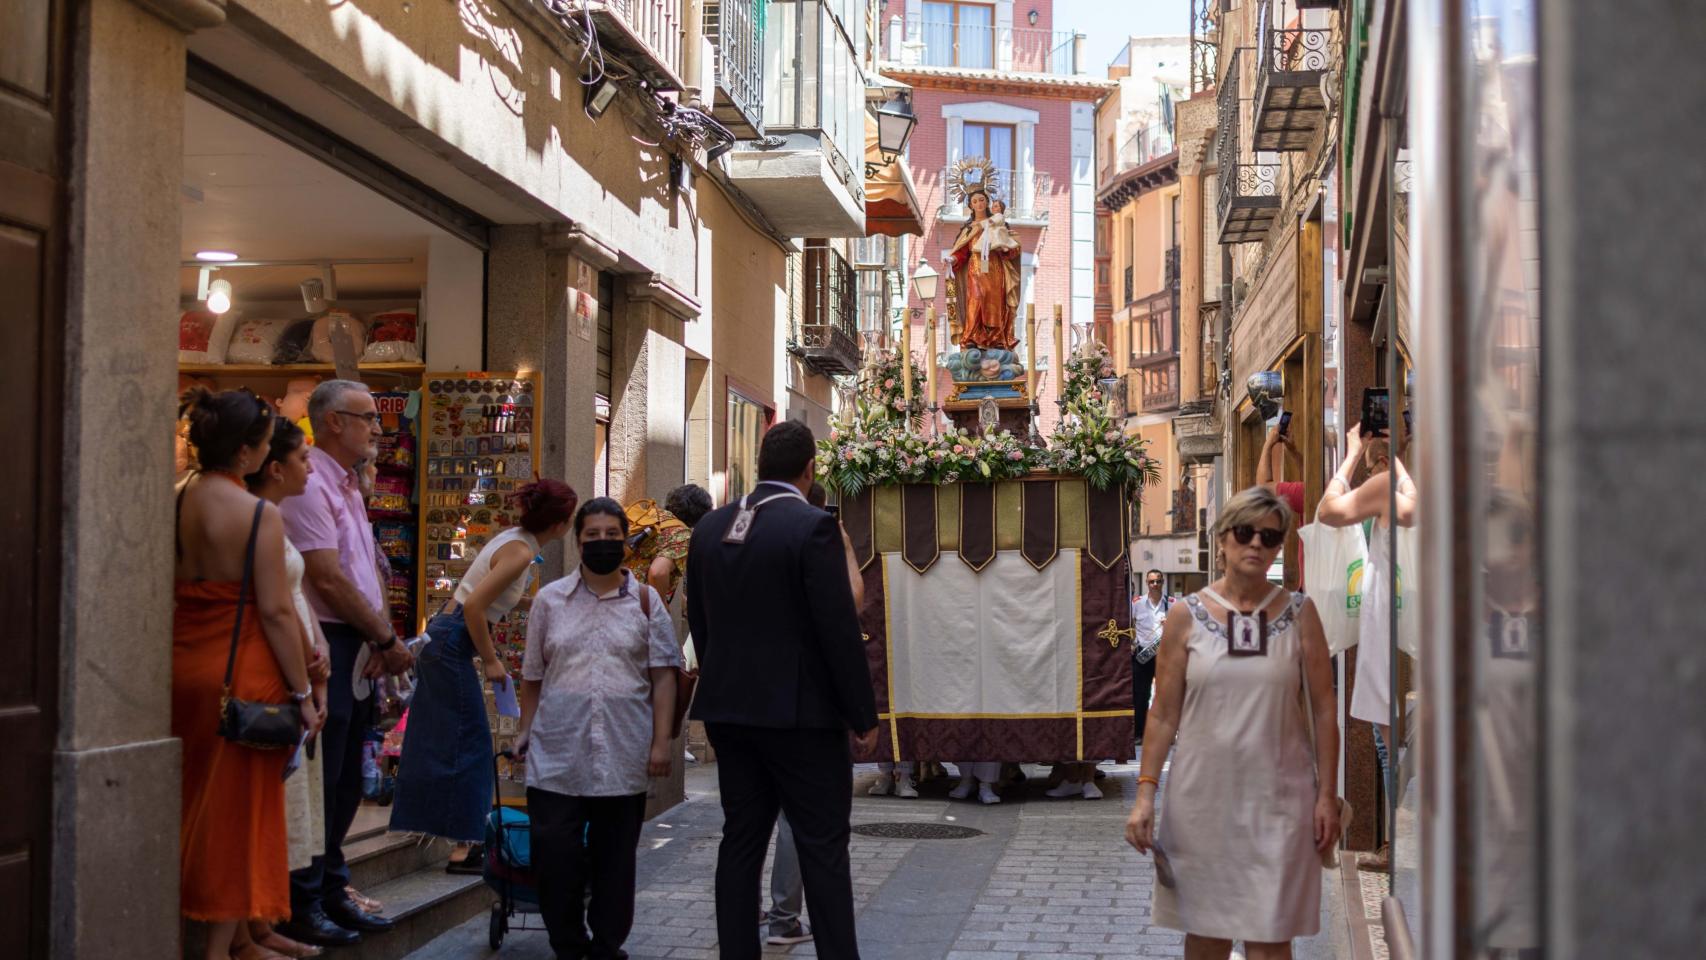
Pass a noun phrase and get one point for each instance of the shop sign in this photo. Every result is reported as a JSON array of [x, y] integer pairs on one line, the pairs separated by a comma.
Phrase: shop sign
[[1268, 322]]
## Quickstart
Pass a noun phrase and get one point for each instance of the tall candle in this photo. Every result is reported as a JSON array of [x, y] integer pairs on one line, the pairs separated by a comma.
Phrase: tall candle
[[906, 369], [930, 357], [1061, 348], [1031, 351]]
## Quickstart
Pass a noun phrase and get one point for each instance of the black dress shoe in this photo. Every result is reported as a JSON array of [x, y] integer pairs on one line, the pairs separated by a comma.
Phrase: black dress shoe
[[345, 913], [313, 926]]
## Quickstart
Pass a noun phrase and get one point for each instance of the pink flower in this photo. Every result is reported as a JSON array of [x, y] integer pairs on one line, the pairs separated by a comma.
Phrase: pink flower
[[959, 448], [900, 404], [1015, 455], [1095, 394], [1111, 436], [847, 454], [888, 384]]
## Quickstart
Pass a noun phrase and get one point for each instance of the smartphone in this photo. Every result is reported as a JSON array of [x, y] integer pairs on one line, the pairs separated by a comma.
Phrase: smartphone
[[834, 510], [1376, 411], [1409, 423], [1285, 424]]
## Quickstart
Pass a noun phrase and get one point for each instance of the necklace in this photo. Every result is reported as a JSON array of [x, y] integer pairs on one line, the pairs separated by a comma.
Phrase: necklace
[[226, 474]]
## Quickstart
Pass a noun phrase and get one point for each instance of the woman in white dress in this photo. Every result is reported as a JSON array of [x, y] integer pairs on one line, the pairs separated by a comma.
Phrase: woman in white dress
[[285, 474], [1249, 812], [1369, 503]]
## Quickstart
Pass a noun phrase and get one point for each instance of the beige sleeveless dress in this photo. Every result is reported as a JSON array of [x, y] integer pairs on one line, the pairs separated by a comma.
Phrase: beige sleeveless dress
[[1237, 815]]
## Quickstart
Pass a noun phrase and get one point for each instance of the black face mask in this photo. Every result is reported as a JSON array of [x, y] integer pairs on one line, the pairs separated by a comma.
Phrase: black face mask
[[602, 556]]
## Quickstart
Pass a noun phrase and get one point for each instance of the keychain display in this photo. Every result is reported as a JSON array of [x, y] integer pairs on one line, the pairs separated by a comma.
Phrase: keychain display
[[392, 507], [479, 441]]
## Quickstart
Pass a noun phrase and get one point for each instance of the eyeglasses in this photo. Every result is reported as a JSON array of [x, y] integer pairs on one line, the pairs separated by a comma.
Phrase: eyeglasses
[[1155, 583], [1271, 537], [372, 419]]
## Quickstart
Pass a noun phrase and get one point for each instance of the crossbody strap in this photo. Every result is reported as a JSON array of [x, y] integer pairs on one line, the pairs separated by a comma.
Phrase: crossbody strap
[[243, 592]]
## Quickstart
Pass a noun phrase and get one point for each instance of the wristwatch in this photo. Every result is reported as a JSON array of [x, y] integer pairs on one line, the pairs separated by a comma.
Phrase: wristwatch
[[388, 644], [300, 697]]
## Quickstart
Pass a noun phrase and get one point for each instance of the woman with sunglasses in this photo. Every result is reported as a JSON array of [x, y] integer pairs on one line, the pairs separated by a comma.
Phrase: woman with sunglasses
[[1249, 812]]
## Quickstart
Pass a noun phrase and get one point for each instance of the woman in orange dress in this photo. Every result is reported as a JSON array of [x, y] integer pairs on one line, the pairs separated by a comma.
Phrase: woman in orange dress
[[988, 285], [232, 834]]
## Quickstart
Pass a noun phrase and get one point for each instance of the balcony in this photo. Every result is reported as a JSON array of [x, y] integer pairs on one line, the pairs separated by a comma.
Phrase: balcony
[[645, 34], [732, 26], [1205, 44], [1155, 329], [969, 40], [829, 330], [1025, 192], [1291, 56], [802, 177], [1161, 387], [1249, 182]]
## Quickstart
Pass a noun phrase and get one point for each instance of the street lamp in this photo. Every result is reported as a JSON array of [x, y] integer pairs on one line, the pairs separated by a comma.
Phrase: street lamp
[[924, 282], [895, 121]]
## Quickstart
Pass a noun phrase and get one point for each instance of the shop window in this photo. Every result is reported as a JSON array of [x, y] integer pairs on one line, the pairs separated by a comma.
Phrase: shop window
[[748, 419]]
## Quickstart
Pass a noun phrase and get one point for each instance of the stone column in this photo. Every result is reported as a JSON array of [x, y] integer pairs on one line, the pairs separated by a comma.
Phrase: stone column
[[647, 441], [114, 861]]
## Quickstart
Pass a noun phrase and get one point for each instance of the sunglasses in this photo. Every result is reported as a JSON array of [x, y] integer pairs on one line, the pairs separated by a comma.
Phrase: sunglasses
[[1271, 537]]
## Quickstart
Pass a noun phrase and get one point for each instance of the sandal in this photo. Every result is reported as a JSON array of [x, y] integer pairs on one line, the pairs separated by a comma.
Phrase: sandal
[[254, 951], [281, 944], [473, 862], [366, 903]]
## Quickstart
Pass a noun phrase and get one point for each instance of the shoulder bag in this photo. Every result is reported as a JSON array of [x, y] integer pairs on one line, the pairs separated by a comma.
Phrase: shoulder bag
[[248, 723], [685, 680]]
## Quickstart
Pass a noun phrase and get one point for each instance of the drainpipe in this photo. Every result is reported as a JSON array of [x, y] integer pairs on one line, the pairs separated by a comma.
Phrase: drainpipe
[[692, 49]]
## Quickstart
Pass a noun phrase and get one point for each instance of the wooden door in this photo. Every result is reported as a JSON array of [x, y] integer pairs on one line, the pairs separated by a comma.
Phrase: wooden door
[[34, 110]]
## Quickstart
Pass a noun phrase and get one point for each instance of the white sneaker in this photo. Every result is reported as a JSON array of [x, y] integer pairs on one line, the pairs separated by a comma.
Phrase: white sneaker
[[904, 788], [882, 787], [986, 793], [1062, 790], [1090, 791], [964, 789]]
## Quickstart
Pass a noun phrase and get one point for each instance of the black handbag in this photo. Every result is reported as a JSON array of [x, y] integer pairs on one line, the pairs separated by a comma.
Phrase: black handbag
[[248, 723]]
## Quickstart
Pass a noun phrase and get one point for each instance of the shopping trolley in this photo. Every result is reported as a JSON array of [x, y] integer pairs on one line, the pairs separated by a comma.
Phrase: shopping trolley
[[508, 867]]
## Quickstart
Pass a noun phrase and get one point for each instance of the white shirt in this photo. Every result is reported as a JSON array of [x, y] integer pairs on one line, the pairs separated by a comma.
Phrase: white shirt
[[504, 602], [1148, 619], [592, 733]]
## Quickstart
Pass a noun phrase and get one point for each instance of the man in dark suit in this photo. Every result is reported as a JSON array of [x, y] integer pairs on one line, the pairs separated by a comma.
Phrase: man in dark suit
[[782, 680]]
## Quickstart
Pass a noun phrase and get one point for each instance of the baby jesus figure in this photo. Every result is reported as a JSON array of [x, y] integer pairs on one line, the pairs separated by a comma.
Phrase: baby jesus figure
[[995, 231]]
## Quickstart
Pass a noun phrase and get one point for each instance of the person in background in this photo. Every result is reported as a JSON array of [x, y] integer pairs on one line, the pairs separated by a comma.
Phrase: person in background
[[444, 777], [597, 705], [783, 679], [1148, 615], [1249, 811], [1368, 503], [660, 558], [233, 848], [1268, 467], [328, 523], [284, 474]]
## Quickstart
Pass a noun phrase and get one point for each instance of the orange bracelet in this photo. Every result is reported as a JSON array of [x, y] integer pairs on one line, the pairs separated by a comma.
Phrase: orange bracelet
[[1147, 779]]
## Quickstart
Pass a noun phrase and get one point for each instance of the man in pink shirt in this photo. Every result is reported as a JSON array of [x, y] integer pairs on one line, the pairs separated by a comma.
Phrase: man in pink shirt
[[328, 524]]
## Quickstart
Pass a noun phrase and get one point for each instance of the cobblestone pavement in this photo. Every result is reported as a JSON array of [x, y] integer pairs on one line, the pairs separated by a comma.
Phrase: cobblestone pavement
[[1048, 878]]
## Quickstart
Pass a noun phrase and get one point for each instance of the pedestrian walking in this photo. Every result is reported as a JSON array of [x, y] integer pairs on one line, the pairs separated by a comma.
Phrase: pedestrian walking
[[1249, 812], [328, 524], [783, 679], [660, 558], [597, 707], [234, 632], [444, 777], [1148, 616]]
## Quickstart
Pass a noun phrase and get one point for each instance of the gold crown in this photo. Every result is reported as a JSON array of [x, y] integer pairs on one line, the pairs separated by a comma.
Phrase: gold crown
[[971, 175]]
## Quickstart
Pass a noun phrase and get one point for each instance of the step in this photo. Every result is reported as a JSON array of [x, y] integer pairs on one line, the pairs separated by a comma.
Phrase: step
[[424, 903], [381, 857]]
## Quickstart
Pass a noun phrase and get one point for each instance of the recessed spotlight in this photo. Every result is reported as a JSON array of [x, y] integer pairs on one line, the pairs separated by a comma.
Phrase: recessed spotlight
[[215, 256], [219, 296]]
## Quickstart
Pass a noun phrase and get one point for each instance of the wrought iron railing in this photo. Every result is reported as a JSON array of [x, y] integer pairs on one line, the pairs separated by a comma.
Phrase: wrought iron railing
[[733, 27], [1289, 54], [829, 334], [1205, 44], [1024, 192], [932, 41], [1170, 271], [1242, 173], [1129, 294]]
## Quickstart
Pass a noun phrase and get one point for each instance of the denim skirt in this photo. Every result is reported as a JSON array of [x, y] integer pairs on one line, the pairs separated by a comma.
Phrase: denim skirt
[[444, 778]]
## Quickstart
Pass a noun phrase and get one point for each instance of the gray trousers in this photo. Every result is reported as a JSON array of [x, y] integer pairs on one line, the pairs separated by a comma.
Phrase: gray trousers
[[787, 890]]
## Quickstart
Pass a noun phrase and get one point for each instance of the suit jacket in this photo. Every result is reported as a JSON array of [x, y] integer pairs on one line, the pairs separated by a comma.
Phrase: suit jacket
[[773, 621]]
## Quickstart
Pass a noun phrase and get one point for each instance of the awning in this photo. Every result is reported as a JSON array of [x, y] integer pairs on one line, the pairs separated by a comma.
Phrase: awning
[[891, 201]]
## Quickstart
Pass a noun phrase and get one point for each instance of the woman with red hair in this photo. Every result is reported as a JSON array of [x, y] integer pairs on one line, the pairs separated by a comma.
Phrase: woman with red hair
[[444, 779]]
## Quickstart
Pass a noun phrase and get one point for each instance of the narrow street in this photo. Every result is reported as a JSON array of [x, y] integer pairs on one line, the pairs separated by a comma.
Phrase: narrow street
[[1045, 878]]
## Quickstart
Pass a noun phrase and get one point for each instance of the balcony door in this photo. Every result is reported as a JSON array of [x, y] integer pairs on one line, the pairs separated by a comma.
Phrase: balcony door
[[959, 34], [995, 141]]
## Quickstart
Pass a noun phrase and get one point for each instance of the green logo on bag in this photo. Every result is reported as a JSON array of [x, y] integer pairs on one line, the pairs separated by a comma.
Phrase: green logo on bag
[[1353, 588]]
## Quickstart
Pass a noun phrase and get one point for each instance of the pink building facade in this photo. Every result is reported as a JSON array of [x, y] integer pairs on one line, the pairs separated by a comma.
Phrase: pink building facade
[[1017, 95]]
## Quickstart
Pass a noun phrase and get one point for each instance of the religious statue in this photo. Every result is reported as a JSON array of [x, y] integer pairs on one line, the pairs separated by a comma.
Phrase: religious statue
[[984, 263]]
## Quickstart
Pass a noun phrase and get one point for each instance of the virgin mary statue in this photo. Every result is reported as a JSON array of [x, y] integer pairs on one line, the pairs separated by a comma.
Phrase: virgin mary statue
[[985, 265]]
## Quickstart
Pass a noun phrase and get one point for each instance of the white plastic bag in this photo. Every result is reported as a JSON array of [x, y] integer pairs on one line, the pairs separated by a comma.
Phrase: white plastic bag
[[1404, 582], [1334, 559]]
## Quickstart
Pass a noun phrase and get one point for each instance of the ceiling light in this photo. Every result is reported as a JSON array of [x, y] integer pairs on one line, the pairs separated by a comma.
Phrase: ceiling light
[[215, 256], [219, 296]]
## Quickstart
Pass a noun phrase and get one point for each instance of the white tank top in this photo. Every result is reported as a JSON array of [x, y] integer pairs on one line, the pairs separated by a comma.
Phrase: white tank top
[[504, 602]]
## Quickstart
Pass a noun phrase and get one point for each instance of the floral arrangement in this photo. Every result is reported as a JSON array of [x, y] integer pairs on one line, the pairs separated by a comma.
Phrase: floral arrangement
[[881, 388], [872, 447]]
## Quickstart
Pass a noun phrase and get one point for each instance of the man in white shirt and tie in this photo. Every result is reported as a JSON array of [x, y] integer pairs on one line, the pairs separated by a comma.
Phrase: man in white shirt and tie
[[1148, 616]]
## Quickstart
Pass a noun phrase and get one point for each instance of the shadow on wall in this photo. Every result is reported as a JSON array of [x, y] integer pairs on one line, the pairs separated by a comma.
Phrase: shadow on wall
[[523, 56]]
